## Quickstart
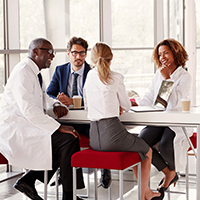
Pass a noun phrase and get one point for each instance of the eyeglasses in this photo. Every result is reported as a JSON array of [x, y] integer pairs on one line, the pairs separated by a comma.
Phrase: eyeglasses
[[81, 53], [50, 51]]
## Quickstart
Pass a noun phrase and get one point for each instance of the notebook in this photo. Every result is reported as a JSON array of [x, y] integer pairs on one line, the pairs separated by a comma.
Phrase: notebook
[[161, 101]]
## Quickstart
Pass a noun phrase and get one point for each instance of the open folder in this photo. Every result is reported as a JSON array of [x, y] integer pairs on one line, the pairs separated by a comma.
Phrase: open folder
[[161, 101]]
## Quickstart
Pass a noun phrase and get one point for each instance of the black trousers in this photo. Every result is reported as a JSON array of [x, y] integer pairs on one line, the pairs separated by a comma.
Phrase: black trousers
[[63, 147], [164, 156], [81, 128]]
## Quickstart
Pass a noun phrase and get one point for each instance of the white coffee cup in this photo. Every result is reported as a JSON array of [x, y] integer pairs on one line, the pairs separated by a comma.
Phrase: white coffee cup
[[77, 101], [185, 103]]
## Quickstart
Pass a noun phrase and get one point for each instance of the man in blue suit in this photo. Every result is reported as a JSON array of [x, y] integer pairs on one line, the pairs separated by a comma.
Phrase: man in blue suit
[[61, 86]]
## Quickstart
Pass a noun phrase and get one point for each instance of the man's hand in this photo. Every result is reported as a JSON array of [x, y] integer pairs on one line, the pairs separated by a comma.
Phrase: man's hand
[[60, 111], [68, 129], [65, 99]]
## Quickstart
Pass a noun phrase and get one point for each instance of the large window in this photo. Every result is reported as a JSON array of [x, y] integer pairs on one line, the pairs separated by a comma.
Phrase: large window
[[32, 21], [1, 25], [132, 23], [2, 78], [133, 42], [137, 68], [131, 28], [198, 52], [173, 19], [176, 20], [58, 21], [84, 20]]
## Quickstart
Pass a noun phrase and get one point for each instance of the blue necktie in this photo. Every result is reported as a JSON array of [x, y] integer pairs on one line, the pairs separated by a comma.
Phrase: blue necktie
[[40, 79], [74, 87]]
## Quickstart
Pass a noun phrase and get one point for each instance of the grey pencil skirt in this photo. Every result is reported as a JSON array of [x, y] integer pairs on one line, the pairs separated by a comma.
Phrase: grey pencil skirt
[[111, 135]]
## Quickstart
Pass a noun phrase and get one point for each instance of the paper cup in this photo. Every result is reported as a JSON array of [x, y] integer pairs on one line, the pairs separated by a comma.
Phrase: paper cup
[[185, 105], [77, 101]]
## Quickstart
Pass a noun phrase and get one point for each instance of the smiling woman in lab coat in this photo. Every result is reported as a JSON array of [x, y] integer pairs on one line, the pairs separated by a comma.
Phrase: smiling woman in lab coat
[[29, 138], [170, 57]]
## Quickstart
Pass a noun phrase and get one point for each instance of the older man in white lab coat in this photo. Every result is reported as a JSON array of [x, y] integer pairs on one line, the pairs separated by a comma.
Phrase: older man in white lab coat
[[28, 137]]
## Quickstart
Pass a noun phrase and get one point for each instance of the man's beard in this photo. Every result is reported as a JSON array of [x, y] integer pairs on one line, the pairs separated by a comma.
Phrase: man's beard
[[78, 65]]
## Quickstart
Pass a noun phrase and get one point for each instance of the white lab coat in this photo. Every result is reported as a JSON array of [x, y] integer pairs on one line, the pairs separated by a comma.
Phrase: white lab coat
[[25, 130], [181, 90]]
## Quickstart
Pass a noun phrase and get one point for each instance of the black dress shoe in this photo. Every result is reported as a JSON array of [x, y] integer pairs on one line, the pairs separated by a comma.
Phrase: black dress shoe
[[54, 183], [27, 190], [105, 178], [78, 198]]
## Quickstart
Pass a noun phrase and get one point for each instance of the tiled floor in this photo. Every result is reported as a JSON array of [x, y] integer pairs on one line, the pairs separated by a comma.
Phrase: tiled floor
[[7, 192]]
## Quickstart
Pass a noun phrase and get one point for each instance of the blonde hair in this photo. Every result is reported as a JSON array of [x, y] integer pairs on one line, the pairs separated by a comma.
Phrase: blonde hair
[[179, 53], [101, 55]]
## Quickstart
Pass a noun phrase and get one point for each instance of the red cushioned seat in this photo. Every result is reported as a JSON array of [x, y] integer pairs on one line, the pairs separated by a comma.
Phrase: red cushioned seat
[[84, 141], [3, 160], [89, 158]]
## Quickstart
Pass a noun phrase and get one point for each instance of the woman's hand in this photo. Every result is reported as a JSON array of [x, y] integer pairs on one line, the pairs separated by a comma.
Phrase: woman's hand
[[165, 71], [69, 130]]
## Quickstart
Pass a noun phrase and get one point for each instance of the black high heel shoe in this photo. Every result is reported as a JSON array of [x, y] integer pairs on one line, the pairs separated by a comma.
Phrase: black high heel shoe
[[161, 196], [174, 180]]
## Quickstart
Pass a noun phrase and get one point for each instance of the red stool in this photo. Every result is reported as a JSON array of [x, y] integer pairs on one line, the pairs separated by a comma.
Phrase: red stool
[[121, 161]]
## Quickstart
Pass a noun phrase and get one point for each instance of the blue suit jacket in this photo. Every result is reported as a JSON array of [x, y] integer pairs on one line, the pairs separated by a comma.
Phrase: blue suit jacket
[[60, 78]]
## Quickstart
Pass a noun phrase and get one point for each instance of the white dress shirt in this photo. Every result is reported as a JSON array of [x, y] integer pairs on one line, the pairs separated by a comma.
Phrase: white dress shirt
[[25, 130], [79, 81], [182, 84], [103, 101]]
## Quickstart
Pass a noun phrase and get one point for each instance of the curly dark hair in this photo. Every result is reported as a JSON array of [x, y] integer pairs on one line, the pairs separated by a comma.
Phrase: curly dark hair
[[179, 52], [77, 40]]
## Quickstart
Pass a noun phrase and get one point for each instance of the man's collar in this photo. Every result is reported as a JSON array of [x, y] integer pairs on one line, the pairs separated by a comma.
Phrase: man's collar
[[80, 71], [33, 65]]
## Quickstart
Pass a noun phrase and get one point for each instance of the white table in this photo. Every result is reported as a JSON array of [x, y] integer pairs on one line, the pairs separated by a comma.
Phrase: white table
[[173, 117]]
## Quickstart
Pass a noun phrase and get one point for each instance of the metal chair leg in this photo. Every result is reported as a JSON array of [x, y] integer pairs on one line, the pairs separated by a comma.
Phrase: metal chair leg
[[121, 184], [45, 184], [139, 181], [109, 193], [74, 183], [187, 177], [57, 186], [95, 185], [88, 185]]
